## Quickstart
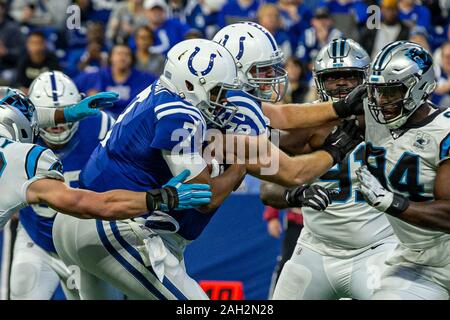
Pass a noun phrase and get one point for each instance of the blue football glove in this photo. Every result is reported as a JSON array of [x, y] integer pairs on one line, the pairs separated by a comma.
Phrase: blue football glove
[[90, 106], [177, 195], [189, 195]]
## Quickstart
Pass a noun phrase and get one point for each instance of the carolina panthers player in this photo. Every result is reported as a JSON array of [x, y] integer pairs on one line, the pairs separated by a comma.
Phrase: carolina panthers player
[[258, 60], [341, 251], [31, 174], [36, 268], [408, 170]]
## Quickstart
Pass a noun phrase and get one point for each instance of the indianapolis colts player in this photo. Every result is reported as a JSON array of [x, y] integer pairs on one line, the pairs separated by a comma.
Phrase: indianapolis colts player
[[159, 135], [408, 171], [258, 60], [31, 174], [341, 251], [36, 268]]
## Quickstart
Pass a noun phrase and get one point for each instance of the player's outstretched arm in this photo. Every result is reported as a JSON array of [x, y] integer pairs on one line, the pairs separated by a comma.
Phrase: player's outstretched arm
[[273, 165], [90, 106], [118, 204], [290, 116], [431, 214]]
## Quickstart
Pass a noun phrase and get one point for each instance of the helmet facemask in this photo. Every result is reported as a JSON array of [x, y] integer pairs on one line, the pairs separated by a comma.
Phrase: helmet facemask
[[336, 84], [217, 110], [60, 134], [267, 81], [387, 103]]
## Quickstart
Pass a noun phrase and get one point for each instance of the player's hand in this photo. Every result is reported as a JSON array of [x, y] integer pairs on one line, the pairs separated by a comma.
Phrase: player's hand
[[343, 139], [377, 196], [352, 104], [181, 196], [90, 106], [274, 227], [315, 196]]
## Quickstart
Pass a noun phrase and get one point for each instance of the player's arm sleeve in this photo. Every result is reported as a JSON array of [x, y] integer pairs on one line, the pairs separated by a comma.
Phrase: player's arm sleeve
[[444, 149], [249, 118], [41, 163], [46, 117], [106, 123], [179, 134]]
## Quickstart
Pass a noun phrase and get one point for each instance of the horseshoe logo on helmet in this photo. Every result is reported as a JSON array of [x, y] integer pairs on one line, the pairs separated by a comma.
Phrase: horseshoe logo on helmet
[[207, 69]]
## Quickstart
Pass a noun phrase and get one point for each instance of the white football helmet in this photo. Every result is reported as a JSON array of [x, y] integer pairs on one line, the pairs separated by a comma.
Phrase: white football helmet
[[258, 59], [18, 118], [53, 89], [201, 72]]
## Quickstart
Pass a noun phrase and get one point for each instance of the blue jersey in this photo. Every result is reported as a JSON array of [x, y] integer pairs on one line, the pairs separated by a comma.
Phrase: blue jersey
[[419, 15], [169, 34], [73, 157], [232, 12], [130, 158], [249, 119]]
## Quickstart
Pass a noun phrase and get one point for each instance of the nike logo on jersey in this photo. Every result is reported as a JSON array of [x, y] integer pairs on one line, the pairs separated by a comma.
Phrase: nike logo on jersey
[[242, 118]]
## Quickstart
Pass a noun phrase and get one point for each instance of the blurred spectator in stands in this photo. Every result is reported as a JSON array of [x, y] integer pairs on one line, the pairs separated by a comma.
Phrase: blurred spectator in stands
[[269, 17], [420, 36], [348, 15], [319, 35], [413, 14], [124, 19], [238, 10], [120, 76], [298, 86], [12, 43], [391, 29], [292, 226], [93, 58], [87, 51], [37, 60], [296, 18], [31, 12], [441, 95], [167, 32], [211, 11], [145, 60]]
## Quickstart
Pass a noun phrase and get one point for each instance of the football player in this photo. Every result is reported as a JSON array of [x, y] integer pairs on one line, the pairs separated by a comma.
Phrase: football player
[[341, 251]]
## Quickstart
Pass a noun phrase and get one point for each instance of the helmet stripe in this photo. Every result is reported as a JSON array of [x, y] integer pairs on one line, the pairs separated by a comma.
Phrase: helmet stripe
[[268, 35], [53, 84], [387, 50], [343, 42]]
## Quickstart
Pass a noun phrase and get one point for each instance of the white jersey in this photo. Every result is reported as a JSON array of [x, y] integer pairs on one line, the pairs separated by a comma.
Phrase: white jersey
[[406, 162], [349, 223], [20, 165]]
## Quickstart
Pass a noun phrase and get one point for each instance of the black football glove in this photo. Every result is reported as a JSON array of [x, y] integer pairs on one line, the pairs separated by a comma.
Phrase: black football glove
[[314, 196], [343, 139], [352, 104]]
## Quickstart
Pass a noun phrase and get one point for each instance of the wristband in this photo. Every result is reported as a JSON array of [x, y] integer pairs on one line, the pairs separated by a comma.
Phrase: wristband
[[399, 204]]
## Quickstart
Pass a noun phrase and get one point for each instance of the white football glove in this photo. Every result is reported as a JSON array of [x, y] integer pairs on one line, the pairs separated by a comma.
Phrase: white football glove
[[377, 196]]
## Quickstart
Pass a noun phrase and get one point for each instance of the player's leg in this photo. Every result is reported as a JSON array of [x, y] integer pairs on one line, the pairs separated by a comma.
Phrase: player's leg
[[368, 268], [405, 282], [304, 277], [32, 275], [121, 259], [289, 242]]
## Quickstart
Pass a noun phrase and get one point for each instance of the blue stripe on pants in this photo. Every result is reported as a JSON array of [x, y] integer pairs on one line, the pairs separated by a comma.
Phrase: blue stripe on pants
[[112, 251], [135, 254]]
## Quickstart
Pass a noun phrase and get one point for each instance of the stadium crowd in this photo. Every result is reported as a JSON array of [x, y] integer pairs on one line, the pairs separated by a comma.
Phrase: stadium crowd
[[121, 45]]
